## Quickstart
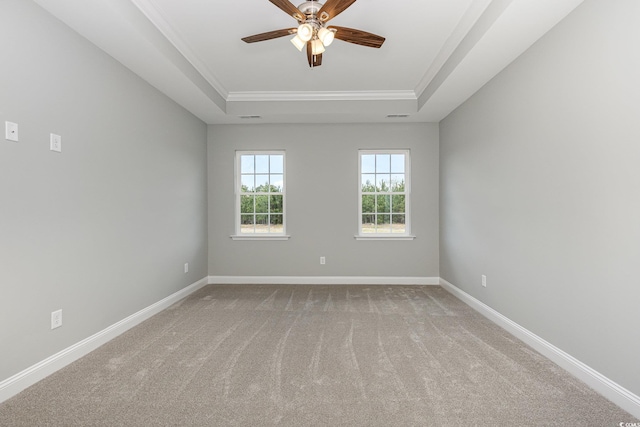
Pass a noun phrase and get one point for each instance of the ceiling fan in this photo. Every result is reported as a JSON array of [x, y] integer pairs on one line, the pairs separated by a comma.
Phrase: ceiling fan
[[312, 30]]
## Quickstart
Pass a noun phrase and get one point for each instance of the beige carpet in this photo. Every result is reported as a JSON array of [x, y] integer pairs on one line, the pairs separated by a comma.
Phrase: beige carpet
[[313, 355]]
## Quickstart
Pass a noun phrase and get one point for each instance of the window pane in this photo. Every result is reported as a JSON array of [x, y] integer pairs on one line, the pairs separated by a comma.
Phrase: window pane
[[246, 204], [398, 204], [262, 204], [397, 182], [247, 184], [383, 163], [276, 204], [262, 223], [368, 164], [368, 203], [397, 163], [398, 225], [275, 222], [383, 182], [368, 224], [368, 182], [383, 204], [277, 163], [262, 163], [246, 224], [384, 175], [262, 183], [277, 183], [260, 197], [246, 163], [384, 224]]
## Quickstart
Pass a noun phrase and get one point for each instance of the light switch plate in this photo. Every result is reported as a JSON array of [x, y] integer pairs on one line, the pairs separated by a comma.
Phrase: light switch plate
[[55, 143], [11, 131]]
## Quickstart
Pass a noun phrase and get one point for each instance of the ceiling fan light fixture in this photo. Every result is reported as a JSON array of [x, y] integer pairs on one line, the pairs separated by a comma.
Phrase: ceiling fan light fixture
[[298, 43], [305, 32], [313, 31], [326, 36], [317, 47]]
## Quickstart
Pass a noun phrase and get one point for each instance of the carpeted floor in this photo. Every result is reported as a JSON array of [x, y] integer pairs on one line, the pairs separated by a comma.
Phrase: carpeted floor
[[309, 356]]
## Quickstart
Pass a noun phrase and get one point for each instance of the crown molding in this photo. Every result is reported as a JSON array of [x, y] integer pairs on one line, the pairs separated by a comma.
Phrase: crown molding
[[157, 18], [279, 96], [468, 21]]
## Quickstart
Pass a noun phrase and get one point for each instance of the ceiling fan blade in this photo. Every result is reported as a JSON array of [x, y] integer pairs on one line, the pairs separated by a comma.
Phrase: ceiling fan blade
[[289, 9], [269, 35], [314, 60], [358, 37], [333, 8]]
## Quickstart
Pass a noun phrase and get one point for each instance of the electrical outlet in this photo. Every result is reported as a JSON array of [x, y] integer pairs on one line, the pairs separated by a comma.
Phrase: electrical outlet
[[484, 281], [323, 260], [56, 319], [55, 143], [186, 267]]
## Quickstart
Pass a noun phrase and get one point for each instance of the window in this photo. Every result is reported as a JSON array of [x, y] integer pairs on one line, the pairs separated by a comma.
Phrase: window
[[260, 195], [383, 207]]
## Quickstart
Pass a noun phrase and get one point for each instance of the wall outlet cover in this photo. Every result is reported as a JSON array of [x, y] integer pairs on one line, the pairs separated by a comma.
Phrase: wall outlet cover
[[56, 319], [55, 143], [11, 131]]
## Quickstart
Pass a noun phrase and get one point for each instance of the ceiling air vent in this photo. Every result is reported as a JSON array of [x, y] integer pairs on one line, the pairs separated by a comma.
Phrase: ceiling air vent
[[251, 117], [397, 116]]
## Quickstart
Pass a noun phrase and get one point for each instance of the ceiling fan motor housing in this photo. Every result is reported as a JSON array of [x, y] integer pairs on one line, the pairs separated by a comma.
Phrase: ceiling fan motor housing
[[310, 7]]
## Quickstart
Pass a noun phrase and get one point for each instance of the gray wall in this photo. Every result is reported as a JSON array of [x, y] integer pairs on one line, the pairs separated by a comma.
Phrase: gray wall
[[103, 229], [322, 197], [540, 190]]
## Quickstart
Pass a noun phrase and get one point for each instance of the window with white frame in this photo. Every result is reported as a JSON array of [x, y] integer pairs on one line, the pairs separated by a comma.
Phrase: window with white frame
[[384, 189], [260, 193]]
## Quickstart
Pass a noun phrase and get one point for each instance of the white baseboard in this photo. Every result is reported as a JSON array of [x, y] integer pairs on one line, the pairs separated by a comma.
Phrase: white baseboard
[[321, 280], [20, 381], [603, 385], [619, 395]]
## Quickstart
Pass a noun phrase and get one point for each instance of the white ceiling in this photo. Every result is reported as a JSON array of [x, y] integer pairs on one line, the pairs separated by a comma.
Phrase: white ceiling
[[437, 53]]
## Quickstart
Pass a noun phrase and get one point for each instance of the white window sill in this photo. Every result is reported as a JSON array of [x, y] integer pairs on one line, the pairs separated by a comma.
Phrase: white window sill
[[384, 237], [260, 237]]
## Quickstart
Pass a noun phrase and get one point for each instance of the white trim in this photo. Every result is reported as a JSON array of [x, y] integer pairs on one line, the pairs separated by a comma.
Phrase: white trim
[[322, 280], [364, 95], [601, 384], [158, 19], [407, 193], [384, 237], [266, 236], [20, 381], [465, 25], [238, 195]]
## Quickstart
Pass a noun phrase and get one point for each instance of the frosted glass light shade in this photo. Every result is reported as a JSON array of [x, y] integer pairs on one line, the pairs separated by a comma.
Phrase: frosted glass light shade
[[305, 32], [326, 36], [298, 43], [317, 47]]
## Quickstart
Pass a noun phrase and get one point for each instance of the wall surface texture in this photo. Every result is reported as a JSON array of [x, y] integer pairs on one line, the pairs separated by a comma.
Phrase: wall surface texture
[[540, 190], [322, 202], [104, 228]]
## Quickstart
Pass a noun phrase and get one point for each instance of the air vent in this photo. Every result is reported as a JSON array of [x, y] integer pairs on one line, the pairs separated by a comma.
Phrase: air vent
[[251, 117], [397, 116]]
